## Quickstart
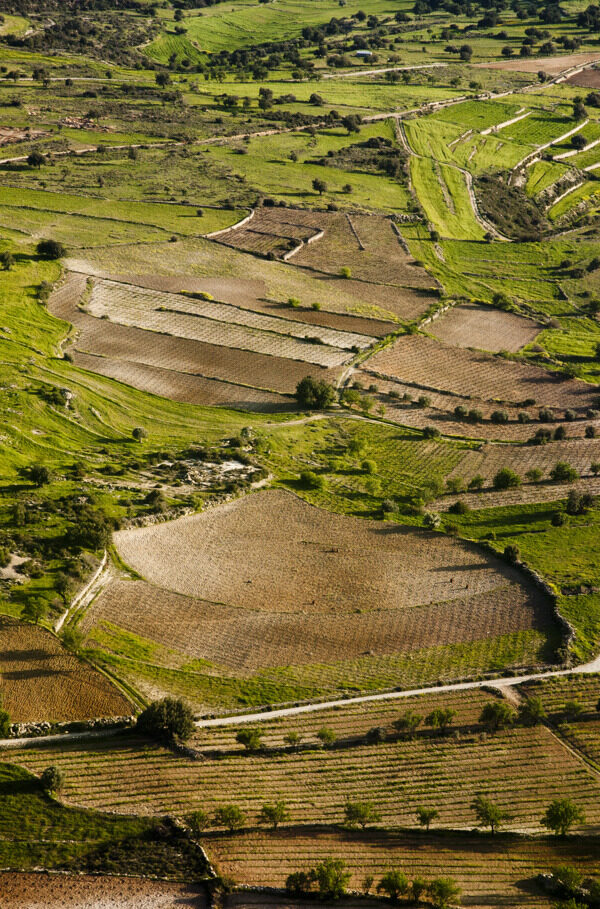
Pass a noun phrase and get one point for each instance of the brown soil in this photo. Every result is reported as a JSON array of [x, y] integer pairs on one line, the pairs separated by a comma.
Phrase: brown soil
[[183, 387], [426, 363], [589, 78], [337, 565], [471, 325], [42, 681], [42, 890]]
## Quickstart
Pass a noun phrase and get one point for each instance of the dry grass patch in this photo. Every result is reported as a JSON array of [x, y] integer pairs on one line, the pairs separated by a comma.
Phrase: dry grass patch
[[42, 681], [550, 65]]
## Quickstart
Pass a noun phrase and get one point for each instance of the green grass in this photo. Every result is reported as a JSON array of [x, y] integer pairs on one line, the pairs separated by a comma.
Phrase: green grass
[[574, 344], [442, 191], [38, 832], [543, 174], [581, 195]]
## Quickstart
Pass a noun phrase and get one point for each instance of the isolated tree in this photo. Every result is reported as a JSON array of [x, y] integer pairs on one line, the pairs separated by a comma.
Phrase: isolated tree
[[36, 159], [162, 79], [361, 814], [229, 816], [319, 186], [562, 472], [314, 394], [394, 883], [466, 52], [198, 821], [52, 780], [497, 715], [579, 111], [39, 474], [561, 815], [62, 586], [331, 878], [251, 739], [292, 738], [572, 710], [488, 813], [443, 891], [7, 260], [299, 883], [440, 718], [167, 719], [51, 249], [139, 433], [532, 712], [506, 479], [326, 735], [578, 141], [512, 553], [408, 723], [426, 815], [274, 813]]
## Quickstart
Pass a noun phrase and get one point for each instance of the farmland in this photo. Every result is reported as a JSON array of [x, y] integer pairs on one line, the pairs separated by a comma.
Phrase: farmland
[[300, 425]]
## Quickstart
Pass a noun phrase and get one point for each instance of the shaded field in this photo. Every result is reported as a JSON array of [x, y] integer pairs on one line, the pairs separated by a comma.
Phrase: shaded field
[[471, 325], [337, 563], [42, 681], [63, 891], [580, 728], [426, 363], [492, 871]]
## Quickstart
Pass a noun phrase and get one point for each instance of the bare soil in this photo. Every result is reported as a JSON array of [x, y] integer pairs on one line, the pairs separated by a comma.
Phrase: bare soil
[[42, 681], [43, 890], [550, 65], [471, 325], [589, 78]]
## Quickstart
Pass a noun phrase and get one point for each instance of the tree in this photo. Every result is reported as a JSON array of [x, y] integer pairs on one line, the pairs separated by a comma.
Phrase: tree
[[274, 813], [292, 738], [51, 249], [33, 611], [426, 815], [578, 141], [162, 79], [52, 780], [408, 723], [39, 474], [331, 878], [167, 719], [561, 815], [506, 479], [440, 718], [497, 715], [394, 883], [361, 814], [299, 883], [443, 891], [326, 735], [488, 813], [512, 553], [36, 159], [229, 816], [63, 586], [563, 473], [579, 111], [251, 739], [198, 821], [532, 712], [466, 52], [139, 433], [572, 710], [319, 186], [7, 260], [314, 394]]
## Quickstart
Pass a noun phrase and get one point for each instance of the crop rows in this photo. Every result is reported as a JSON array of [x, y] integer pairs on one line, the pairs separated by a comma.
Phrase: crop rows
[[422, 361], [523, 770], [471, 325]]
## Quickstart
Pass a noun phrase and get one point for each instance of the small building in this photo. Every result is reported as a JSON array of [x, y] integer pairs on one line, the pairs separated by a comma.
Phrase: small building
[[364, 53]]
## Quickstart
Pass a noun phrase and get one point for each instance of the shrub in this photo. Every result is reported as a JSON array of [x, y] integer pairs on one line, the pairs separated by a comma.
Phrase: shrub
[[139, 433], [251, 739], [360, 814], [497, 715], [476, 482], [499, 416], [345, 272], [557, 519], [394, 884], [326, 735], [51, 249], [459, 507], [512, 554], [229, 816], [314, 394], [167, 719], [523, 417], [506, 479], [579, 502], [563, 473], [274, 813], [52, 779], [561, 815], [311, 480]]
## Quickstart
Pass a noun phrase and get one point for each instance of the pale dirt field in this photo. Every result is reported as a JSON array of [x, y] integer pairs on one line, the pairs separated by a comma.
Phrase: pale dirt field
[[471, 325], [273, 552], [423, 361], [41, 890], [41, 681], [550, 65]]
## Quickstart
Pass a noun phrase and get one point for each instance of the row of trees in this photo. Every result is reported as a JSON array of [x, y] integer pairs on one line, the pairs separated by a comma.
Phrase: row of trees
[[329, 880]]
